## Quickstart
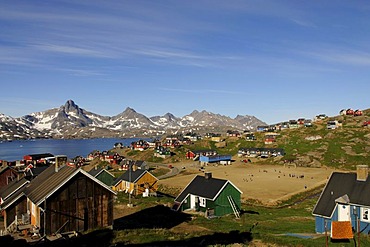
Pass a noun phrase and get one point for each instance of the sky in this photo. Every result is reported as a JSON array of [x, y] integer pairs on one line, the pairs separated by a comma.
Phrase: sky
[[273, 59]]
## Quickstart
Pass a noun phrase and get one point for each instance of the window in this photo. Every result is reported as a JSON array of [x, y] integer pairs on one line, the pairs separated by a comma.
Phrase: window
[[202, 202], [365, 214]]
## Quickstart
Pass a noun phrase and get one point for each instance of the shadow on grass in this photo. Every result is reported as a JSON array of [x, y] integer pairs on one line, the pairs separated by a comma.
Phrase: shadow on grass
[[161, 194], [105, 237], [155, 217], [223, 239], [248, 212], [102, 237]]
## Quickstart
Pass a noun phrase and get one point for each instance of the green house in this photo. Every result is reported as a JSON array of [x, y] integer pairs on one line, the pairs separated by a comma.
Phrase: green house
[[102, 175], [214, 197]]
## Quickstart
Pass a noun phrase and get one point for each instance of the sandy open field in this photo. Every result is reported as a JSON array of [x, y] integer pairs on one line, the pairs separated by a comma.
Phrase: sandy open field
[[266, 183]]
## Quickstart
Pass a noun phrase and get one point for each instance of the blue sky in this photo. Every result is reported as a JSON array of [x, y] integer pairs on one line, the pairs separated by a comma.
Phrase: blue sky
[[276, 60]]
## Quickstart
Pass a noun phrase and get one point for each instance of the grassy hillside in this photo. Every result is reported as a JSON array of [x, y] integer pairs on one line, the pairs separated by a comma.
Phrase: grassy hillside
[[315, 146]]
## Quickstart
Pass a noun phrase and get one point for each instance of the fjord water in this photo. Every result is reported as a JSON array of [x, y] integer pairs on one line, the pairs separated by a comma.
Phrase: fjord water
[[15, 150]]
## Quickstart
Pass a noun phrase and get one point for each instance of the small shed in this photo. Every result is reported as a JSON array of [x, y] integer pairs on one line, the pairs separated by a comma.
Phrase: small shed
[[213, 196]]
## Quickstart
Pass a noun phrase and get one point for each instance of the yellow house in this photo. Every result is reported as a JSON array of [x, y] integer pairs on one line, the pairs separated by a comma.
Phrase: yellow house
[[136, 182]]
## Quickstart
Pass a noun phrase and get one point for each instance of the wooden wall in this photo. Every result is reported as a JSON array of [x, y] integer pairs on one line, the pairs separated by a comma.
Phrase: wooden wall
[[79, 205]]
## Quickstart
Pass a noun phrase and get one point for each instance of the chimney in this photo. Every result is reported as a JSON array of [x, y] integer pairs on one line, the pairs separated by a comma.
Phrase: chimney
[[60, 162], [208, 175], [362, 172], [134, 167]]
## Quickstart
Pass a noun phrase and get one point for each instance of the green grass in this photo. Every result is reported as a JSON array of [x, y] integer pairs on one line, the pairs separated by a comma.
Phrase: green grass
[[269, 225]]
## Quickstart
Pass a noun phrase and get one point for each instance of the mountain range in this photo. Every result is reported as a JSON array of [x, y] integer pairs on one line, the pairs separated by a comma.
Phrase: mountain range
[[71, 121]]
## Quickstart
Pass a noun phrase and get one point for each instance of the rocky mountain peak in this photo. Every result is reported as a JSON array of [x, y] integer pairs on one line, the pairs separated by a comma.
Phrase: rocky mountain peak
[[71, 121]]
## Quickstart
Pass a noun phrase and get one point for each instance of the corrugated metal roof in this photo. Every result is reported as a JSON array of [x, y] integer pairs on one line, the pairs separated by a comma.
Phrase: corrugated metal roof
[[47, 182], [12, 187]]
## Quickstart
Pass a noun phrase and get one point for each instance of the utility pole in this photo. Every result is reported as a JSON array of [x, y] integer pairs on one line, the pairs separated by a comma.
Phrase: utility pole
[[129, 188]]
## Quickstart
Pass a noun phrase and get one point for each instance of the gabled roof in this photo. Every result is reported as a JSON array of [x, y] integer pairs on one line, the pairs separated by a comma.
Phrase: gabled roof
[[203, 187], [6, 167], [132, 178], [95, 171], [342, 185], [49, 181], [35, 171], [12, 188]]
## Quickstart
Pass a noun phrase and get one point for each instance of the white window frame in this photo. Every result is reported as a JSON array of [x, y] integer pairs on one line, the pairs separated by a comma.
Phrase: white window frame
[[202, 202], [365, 212]]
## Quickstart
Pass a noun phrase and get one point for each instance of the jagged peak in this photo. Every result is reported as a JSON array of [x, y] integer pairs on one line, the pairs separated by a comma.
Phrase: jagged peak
[[129, 109], [70, 103], [194, 112]]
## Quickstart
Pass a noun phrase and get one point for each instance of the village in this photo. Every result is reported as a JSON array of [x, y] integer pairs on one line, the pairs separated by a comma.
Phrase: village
[[50, 197]]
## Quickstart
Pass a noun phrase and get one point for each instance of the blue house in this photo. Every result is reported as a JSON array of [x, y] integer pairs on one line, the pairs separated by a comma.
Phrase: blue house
[[222, 159], [345, 199]]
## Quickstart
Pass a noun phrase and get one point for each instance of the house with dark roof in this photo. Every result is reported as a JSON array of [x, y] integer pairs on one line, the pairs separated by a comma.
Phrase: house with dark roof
[[345, 198], [136, 182], [61, 198], [32, 172], [194, 154], [37, 158], [213, 196], [13, 202], [7, 175], [102, 175]]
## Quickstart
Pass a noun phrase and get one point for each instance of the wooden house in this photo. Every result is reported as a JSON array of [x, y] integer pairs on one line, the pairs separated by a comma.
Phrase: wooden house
[[102, 175], [345, 198], [161, 151], [61, 199], [301, 121], [10, 192], [357, 113], [270, 139], [32, 172], [172, 142], [263, 128], [37, 158], [118, 145], [138, 164], [307, 123], [193, 136], [7, 175], [140, 145], [233, 133], [195, 154], [213, 196], [350, 111], [250, 137], [293, 124], [221, 159], [136, 182]]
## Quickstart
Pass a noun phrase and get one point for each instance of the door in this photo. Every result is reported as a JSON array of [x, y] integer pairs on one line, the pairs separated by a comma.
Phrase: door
[[344, 212]]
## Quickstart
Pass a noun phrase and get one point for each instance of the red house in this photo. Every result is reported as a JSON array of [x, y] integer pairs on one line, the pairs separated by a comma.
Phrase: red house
[[7, 175], [349, 112], [140, 145], [37, 158], [357, 113]]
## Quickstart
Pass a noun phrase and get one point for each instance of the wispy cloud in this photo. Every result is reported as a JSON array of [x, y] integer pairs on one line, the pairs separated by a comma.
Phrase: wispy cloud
[[341, 55], [203, 91], [73, 50]]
